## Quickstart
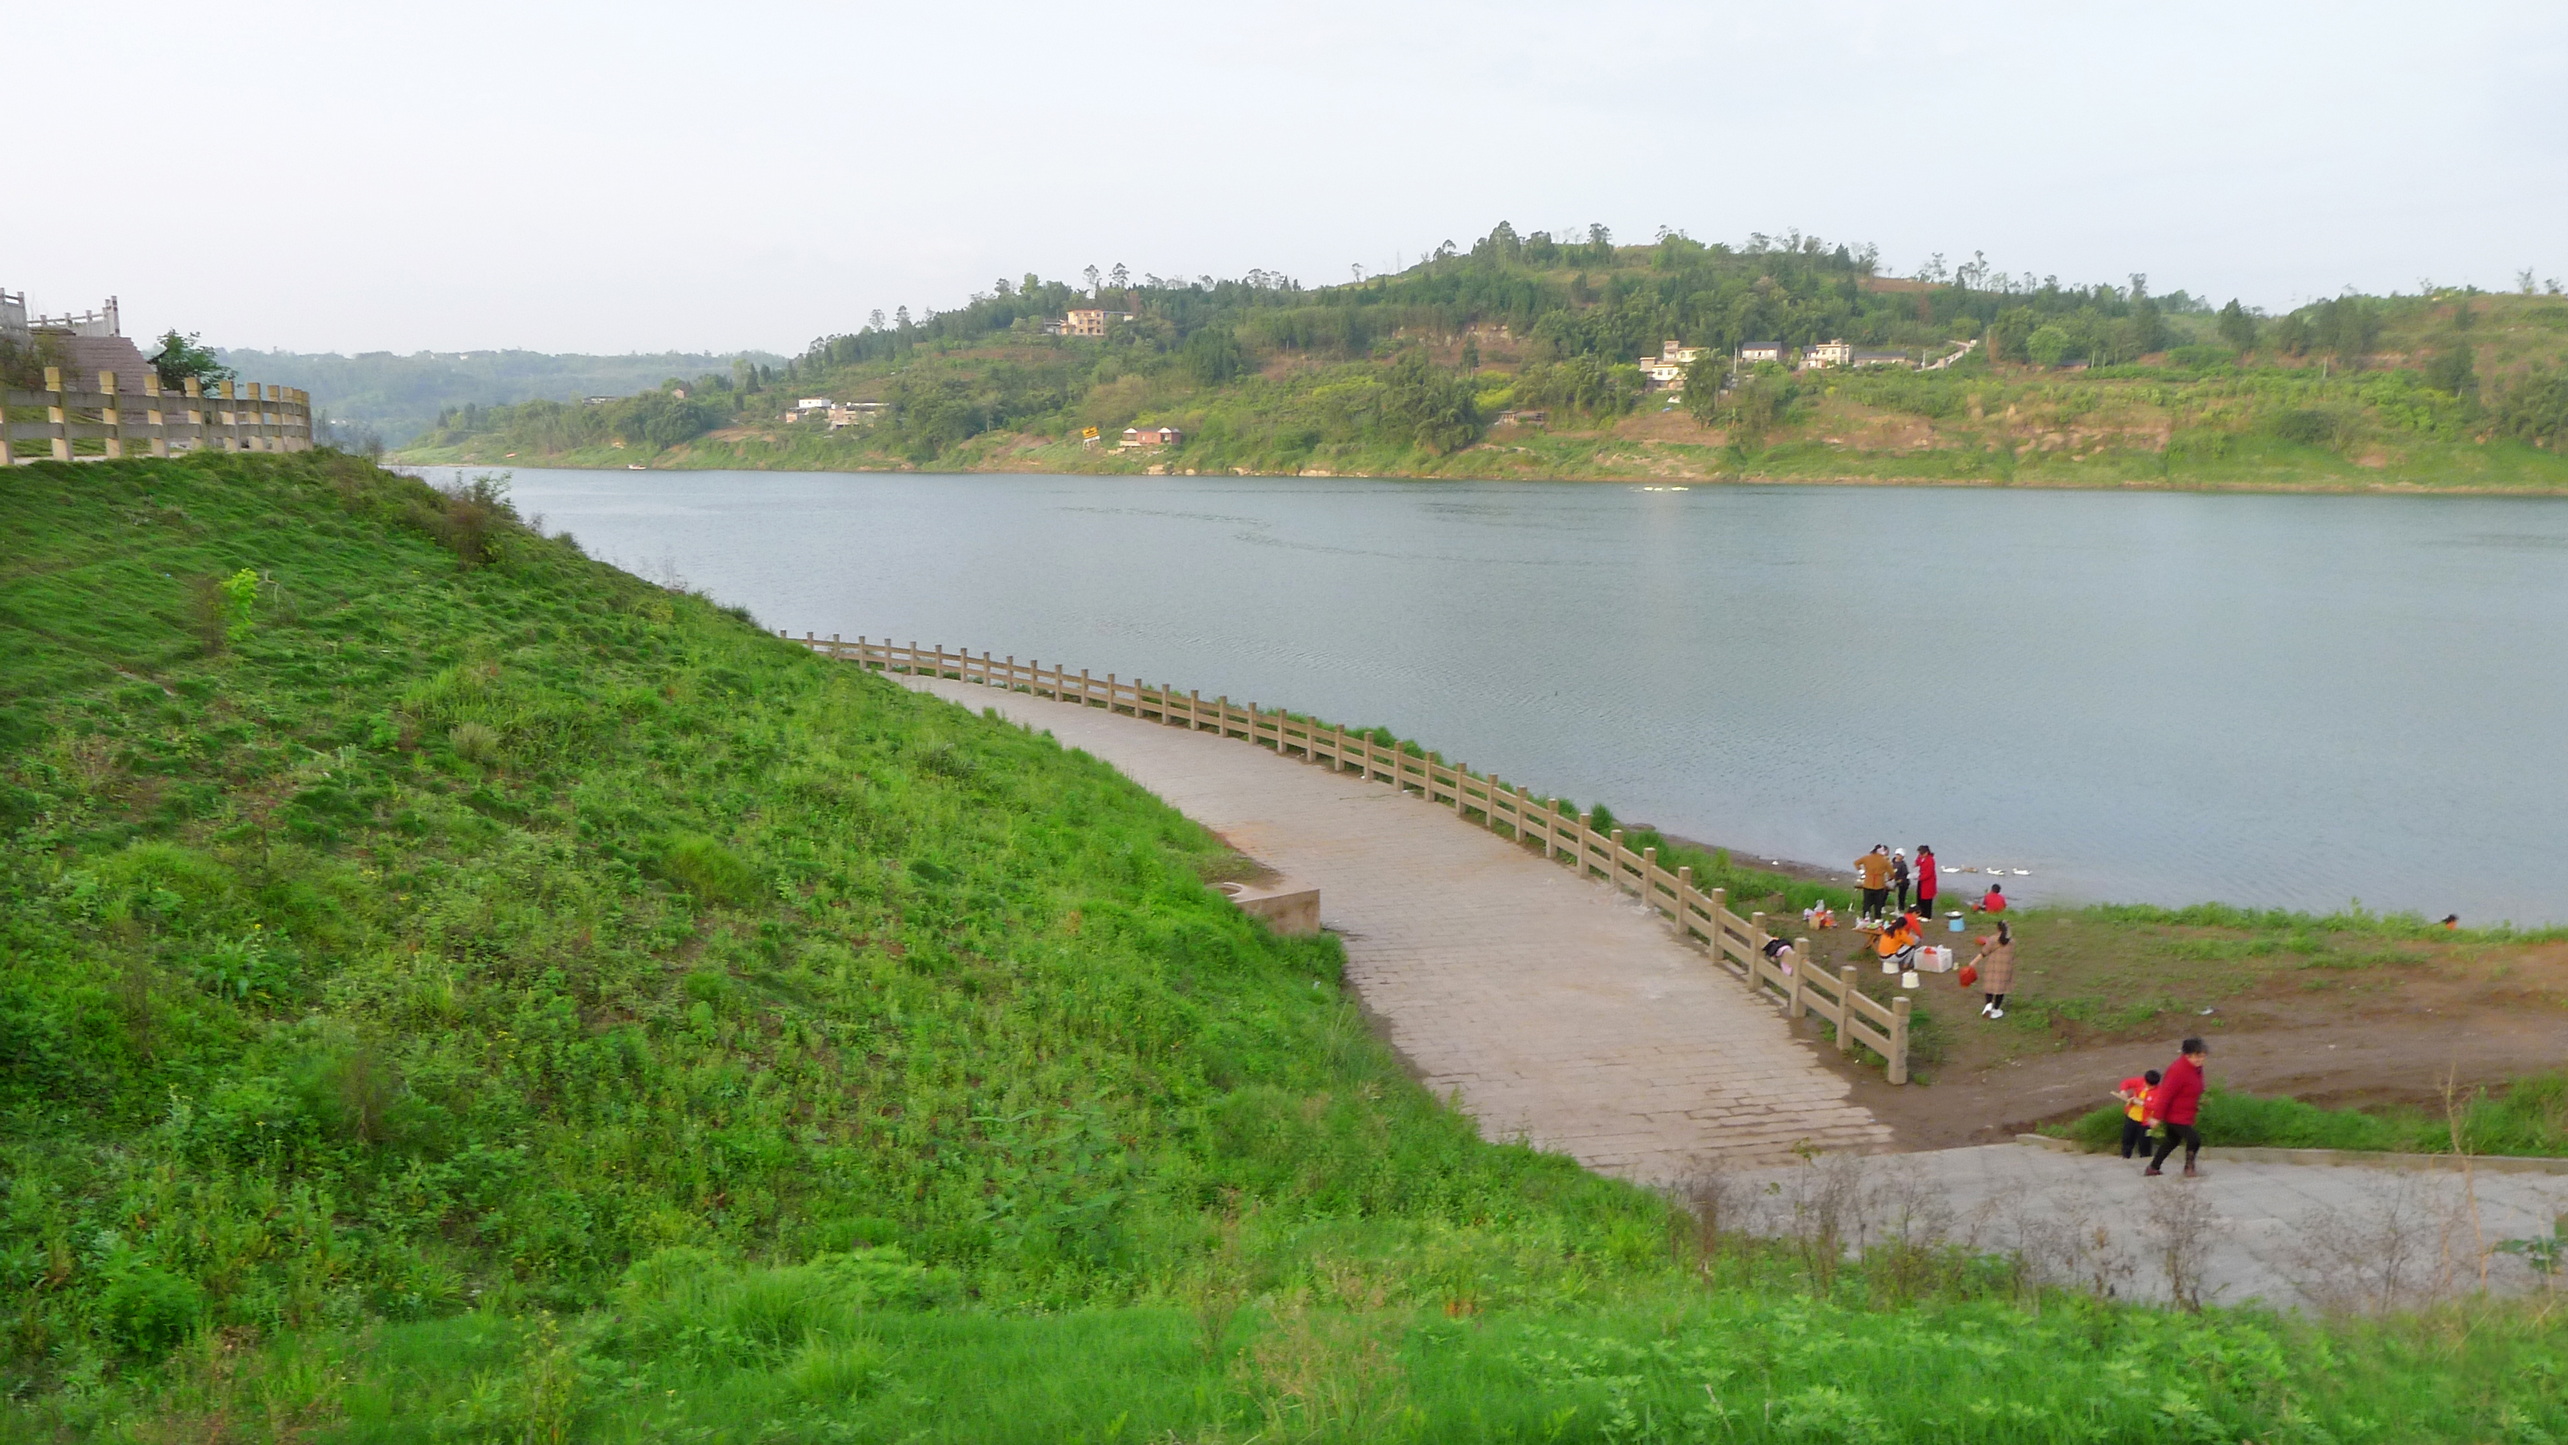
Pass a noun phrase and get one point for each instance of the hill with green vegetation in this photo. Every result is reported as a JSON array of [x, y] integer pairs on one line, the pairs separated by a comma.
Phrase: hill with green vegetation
[[377, 395], [1518, 358], [456, 991]]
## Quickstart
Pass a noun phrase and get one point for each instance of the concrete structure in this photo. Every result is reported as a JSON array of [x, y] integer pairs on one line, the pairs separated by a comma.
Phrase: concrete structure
[[1152, 436], [1759, 351], [856, 413], [1882, 358], [1289, 910]]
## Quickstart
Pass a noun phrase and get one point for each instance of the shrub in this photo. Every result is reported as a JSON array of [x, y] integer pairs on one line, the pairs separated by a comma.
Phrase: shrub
[[147, 1309], [707, 869], [475, 743]]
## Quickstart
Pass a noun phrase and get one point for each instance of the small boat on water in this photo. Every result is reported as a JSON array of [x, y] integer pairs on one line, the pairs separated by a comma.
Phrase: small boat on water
[[635, 467]]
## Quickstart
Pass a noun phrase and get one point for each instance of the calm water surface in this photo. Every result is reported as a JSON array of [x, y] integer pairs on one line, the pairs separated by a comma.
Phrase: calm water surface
[[2268, 700]]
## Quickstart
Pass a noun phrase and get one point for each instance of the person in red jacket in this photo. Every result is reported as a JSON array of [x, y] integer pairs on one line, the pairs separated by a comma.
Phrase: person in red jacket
[[2176, 1103], [1928, 883]]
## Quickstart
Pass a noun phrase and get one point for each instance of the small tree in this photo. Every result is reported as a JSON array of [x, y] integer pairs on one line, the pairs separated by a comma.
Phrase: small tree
[[2236, 326], [182, 359]]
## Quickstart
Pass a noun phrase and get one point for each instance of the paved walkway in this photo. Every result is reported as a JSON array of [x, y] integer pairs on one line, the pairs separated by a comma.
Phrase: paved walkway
[[2336, 1236], [1561, 1012]]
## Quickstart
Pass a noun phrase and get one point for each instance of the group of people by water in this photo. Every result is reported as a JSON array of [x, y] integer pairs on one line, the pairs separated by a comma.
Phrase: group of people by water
[[1887, 880]]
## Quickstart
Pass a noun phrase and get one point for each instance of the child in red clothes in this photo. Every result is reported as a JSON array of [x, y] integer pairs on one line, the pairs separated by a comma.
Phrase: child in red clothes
[[2176, 1103]]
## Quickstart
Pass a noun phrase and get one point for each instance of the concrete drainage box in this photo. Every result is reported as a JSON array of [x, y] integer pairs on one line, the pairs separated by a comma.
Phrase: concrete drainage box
[[1287, 909]]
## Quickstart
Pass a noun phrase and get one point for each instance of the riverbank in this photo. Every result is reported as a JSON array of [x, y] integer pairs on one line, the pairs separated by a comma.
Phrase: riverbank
[[1660, 449]]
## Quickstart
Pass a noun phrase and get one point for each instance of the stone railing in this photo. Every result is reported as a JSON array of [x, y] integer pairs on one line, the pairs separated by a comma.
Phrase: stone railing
[[85, 425], [1702, 916]]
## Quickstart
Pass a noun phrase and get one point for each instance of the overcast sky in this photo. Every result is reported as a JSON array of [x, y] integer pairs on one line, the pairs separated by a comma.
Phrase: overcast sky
[[647, 176]]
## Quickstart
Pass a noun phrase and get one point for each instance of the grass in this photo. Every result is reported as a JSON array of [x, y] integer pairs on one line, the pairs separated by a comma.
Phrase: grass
[[492, 998], [2528, 1117]]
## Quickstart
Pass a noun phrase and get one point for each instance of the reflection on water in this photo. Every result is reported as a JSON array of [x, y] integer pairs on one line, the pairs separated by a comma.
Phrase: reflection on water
[[2271, 700]]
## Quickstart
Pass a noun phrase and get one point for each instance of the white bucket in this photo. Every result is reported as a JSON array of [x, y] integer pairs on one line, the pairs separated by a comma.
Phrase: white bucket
[[1908, 979]]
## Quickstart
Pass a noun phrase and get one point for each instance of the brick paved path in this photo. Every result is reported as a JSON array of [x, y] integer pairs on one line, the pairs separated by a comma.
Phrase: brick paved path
[[1563, 1013]]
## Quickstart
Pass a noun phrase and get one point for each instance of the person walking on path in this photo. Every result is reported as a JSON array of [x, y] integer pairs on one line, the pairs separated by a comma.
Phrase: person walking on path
[[1928, 884], [1872, 871], [2134, 1095], [2176, 1103], [1899, 877], [1996, 965]]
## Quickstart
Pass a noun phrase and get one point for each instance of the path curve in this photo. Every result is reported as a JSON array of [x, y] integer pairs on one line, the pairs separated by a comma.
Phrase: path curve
[[1562, 1013]]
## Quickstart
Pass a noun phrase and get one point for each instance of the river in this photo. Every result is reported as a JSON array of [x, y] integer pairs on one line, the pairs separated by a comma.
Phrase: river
[[2289, 701]]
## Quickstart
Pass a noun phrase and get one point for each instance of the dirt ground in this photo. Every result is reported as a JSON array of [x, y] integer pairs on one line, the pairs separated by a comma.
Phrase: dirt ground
[[2337, 1019]]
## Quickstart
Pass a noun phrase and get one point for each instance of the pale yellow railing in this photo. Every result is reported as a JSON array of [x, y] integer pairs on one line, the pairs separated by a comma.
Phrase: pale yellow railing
[[1702, 916], [82, 424]]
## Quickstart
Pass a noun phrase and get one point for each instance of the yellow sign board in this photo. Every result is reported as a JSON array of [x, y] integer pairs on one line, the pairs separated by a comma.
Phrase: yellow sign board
[[1090, 434]]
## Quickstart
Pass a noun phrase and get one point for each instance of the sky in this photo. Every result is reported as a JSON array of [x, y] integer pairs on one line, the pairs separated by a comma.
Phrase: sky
[[645, 176]]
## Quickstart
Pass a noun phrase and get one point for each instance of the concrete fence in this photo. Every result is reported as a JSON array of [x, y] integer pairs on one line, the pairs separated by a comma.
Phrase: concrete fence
[[85, 425], [1702, 916]]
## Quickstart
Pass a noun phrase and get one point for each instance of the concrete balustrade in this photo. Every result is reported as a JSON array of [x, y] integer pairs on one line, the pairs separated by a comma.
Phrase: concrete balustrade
[[101, 424]]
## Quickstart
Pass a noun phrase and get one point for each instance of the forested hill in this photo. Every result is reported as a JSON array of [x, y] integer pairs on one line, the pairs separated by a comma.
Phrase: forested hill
[[396, 397], [1522, 356]]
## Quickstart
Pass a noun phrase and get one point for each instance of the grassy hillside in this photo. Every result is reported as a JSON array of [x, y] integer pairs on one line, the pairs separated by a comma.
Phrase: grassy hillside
[[1426, 373], [457, 991]]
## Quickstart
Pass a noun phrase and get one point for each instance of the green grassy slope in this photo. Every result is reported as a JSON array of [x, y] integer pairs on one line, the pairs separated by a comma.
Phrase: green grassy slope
[[457, 991]]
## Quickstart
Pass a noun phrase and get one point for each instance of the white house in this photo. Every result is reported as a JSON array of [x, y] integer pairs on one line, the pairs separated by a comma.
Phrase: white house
[[1827, 353], [1666, 370], [1757, 351]]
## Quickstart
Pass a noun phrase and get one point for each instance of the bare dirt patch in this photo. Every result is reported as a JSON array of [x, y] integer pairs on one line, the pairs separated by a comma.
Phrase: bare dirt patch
[[2341, 1019]]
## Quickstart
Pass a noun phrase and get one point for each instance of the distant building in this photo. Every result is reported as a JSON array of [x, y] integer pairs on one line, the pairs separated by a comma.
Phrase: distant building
[[1666, 370], [1883, 358], [810, 406], [1826, 354], [1757, 351], [1523, 418], [1152, 436], [1091, 321], [856, 413], [598, 400]]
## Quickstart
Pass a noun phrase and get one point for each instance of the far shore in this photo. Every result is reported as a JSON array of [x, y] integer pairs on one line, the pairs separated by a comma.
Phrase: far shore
[[2046, 482]]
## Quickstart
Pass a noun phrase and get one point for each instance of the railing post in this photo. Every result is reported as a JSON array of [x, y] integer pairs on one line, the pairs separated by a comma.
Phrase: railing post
[[1685, 901], [1845, 1010], [1794, 1003], [1899, 1039], [112, 415], [1614, 859], [57, 414], [1649, 876], [1083, 687]]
